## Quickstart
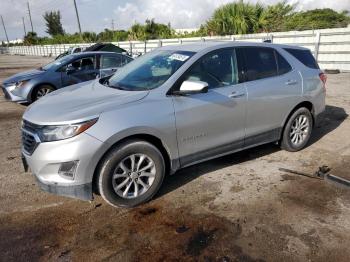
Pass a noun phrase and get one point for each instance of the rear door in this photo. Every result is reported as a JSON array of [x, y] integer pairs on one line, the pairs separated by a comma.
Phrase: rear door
[[109, 64], [273, 88], [212, 123]]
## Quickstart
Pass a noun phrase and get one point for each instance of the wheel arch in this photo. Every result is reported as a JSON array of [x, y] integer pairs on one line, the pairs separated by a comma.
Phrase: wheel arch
[[306, 104], [37, 86], [152, 139]]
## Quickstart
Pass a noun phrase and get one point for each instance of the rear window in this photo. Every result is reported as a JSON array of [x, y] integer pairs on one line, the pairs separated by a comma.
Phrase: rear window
[[304, 56]]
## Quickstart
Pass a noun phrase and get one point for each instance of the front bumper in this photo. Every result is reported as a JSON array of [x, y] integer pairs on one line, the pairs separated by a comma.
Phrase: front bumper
[[10, 96], [83, 192], [47, 158]]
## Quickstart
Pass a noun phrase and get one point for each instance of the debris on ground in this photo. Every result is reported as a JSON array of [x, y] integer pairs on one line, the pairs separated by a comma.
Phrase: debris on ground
[[322, 174]]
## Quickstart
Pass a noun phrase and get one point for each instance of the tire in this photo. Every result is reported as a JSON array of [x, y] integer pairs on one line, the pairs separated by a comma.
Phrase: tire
[[297, 130], [116, 168], [41, 91]]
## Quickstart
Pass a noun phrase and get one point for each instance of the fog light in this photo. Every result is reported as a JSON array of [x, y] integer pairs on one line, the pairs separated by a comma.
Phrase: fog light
[[67, 169]]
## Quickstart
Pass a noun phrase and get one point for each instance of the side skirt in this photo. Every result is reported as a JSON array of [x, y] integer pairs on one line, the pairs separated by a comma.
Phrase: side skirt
[[249, 142]]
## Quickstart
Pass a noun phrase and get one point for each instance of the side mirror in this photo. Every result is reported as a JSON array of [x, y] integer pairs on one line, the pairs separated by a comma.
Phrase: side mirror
[[192, 87], [70, 70]]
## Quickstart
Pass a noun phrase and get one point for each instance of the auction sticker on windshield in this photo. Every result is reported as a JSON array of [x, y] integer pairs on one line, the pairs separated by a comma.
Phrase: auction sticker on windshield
[[179, 57]]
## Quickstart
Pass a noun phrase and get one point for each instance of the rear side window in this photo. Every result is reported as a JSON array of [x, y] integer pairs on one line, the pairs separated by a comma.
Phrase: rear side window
[[304, 56], [260, 63], [109, 61], [283, 65]]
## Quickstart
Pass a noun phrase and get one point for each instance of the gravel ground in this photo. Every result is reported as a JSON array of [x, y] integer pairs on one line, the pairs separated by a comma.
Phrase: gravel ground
[[235, 208]]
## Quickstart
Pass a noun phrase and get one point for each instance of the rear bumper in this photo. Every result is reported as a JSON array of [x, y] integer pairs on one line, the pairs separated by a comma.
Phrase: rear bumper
[[83, 192]]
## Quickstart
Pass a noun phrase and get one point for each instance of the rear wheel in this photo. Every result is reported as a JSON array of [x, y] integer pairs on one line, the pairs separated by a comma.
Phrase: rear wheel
[[41, 91], [297, 131], [131, 173]]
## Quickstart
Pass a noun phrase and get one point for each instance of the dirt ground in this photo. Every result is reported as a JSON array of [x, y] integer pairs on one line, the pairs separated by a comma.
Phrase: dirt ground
[[235, 208]]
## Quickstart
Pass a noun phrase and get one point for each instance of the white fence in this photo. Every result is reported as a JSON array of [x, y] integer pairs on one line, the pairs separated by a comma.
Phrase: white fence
[[331, 47]]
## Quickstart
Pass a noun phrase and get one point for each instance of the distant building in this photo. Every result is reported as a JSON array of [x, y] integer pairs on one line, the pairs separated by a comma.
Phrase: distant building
[[186, 30], [17, 41]]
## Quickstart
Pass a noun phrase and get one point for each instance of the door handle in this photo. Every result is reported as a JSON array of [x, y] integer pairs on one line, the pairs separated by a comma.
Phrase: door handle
[[114, 69], [291, 82], [236, 95]]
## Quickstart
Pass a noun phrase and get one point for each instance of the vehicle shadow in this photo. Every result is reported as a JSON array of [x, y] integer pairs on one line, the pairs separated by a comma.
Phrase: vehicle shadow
[[330, 120], [188, 174]]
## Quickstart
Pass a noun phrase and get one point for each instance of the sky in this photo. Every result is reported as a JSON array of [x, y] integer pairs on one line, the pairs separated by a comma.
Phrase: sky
[[95, 15]]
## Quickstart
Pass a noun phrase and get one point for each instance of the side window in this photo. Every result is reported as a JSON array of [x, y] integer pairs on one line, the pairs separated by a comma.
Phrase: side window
[[82, 64], [283, 65], [260, 63], [218, 68], [304, 56], [126, 60], [109, 61]]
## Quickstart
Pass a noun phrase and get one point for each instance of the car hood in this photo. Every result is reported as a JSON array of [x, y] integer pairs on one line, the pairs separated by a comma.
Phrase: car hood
[[78, 103], [23, 76]]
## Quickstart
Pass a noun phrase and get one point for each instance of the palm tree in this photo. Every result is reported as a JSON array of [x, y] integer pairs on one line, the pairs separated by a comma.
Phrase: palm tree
[[236, 18], [274, 16]]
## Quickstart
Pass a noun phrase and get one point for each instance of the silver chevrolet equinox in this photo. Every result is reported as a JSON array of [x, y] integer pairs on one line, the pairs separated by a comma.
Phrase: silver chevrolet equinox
[[173, 107]]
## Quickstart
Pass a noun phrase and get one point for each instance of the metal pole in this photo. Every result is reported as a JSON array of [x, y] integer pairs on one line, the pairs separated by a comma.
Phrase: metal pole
[[76, 12], [24, 26], [317, 45], [30, 17], [113, 24], [3, 24]]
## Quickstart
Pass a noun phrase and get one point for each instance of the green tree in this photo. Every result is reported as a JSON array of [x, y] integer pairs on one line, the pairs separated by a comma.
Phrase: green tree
[[53, 23], [236, 18], [274, 16], [109, 35], [317, 19], [31, 39], [150, 30]]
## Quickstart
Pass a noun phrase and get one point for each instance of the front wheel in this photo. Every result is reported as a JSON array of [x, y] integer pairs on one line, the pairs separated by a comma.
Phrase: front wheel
[[131, 174], [41, 91], [297, 131]]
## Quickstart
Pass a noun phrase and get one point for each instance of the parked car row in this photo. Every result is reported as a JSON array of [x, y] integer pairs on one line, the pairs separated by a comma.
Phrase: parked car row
[[29, 86], [118, 136], [106, 47]]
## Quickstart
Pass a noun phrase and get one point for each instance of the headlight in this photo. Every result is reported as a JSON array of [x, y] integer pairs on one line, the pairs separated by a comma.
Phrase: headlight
[[54, 133], [21, 83]]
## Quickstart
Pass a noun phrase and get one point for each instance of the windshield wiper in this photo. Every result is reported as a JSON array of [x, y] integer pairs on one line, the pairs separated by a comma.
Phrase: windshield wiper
[[41, 69]]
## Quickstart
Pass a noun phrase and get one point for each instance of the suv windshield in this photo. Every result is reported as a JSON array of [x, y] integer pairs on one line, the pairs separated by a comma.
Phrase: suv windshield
[[149, 71], [57, 63]]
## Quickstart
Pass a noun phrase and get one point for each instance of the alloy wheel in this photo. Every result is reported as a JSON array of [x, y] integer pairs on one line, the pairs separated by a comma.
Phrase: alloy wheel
[[299, 129], [133, 176], [42, 92]]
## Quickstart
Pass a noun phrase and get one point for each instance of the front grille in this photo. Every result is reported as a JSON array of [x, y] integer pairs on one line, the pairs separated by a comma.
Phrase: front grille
[[26, 125], [30, 140]]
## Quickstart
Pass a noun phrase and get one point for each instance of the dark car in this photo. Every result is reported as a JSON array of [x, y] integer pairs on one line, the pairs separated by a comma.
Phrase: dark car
[[106, 47], [31, 85]]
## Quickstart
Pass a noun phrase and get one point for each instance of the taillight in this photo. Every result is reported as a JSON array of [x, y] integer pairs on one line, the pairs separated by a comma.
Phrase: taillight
[[323, 78]]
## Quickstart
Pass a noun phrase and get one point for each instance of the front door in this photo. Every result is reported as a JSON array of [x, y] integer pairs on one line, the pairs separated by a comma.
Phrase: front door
[[212, 123], [80, 70]]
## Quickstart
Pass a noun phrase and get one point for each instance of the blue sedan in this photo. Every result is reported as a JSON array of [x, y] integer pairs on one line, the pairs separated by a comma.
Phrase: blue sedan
[[29, 86]]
